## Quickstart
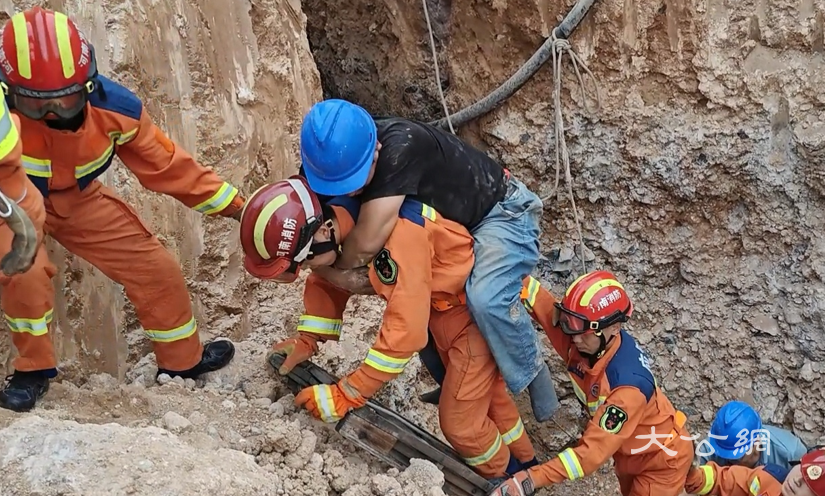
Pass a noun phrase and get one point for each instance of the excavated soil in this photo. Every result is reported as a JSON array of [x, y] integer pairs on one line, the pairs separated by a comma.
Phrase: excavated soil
[[699, 183]]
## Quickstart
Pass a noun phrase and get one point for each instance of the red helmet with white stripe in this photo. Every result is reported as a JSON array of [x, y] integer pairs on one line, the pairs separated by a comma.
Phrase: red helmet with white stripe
[[593, 302], [278, 223]]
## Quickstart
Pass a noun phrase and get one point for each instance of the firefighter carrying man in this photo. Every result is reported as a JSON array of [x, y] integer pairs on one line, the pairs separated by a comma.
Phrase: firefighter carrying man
[[805, 478], [631, 418], [74, 121], [345, 151], [420, 272]]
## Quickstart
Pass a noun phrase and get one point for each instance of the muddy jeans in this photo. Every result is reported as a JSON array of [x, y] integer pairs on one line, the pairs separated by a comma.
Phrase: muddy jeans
[[506, 250]]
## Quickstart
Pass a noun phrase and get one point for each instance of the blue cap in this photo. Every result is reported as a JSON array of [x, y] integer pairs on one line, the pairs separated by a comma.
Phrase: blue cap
[[338, 141], [734, 425]]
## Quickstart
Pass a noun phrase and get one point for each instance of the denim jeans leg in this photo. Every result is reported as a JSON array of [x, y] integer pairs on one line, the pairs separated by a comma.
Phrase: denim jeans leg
[[507, 249]]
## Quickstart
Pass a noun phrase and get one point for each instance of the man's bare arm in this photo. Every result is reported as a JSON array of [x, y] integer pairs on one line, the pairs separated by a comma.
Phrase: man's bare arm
[[376, 220], [356, 281]]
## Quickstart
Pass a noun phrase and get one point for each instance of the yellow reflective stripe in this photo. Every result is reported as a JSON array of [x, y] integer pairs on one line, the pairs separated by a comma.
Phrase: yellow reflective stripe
[[35, 327], [175, 334], [755, 486], [487, 455], [428, 212], [595, 288], [385, 363], [219, 201], [21, 40], [326, 406], [64, 44], [514, 434], [262, 221], [592, 406], [320, 325], [709, 481], [571, 464], [9, 137], [37, 167], [115, 137], [528, 299]]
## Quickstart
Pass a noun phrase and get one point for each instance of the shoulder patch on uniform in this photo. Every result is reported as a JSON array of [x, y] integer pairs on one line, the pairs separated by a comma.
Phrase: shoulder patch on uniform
[[385, 267], [613, 419], [116, 98]]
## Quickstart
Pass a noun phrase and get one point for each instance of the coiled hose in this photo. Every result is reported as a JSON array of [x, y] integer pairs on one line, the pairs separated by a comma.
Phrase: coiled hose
[[517, 80]]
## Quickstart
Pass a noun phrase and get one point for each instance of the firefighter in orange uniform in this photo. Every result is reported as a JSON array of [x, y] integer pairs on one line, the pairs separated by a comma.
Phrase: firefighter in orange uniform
[[421, 273], [611, 377], [805, 478], [74, 121]]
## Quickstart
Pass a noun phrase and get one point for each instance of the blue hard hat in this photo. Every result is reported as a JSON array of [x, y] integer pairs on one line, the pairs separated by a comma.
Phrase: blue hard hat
[[338, 141], [734, 424]]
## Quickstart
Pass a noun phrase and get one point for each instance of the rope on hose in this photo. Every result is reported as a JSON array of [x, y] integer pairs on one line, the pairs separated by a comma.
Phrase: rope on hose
[[435, 64], [560, 46]]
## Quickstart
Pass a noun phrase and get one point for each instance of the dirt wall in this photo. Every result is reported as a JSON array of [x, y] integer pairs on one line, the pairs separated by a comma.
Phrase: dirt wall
[[229, 82], [699, 183]]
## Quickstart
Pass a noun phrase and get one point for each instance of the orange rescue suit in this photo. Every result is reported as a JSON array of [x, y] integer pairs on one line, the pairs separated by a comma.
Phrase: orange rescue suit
[[711, 479], [626, 407], [91, 221], [423, 268]]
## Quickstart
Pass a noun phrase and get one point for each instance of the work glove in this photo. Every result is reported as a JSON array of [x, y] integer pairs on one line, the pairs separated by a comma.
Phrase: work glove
[[297, 349], [520, 484], [24, 244], [330, 402]]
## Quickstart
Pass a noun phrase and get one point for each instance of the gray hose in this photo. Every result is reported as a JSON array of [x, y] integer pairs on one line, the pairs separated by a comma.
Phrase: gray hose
[[517, 80]]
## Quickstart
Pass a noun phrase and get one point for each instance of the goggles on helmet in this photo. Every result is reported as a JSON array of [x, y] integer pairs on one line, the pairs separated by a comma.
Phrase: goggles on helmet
[[64, 103], [573, 323]]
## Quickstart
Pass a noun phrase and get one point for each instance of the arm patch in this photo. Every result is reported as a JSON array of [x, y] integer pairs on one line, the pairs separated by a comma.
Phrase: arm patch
[[613, 419], [385, 267]]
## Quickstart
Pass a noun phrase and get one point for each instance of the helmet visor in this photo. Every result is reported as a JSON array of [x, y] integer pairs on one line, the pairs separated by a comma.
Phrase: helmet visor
[[280, 270], [64, 107]]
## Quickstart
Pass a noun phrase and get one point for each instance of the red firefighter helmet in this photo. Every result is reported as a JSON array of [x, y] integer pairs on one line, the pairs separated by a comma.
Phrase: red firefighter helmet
[[46, 64], [813, 470], [278, 223], [593, 302]]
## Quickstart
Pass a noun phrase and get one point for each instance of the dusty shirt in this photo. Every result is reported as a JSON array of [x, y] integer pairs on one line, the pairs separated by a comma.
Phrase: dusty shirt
[[434, 167]]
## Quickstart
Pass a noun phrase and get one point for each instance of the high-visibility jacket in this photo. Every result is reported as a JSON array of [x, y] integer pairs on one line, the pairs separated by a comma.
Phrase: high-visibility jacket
[[117, 123], [736, 480]]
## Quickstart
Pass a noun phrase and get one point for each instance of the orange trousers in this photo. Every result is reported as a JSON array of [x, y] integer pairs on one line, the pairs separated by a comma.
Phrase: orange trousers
[[98, 226], [477, 415], [656, 473]]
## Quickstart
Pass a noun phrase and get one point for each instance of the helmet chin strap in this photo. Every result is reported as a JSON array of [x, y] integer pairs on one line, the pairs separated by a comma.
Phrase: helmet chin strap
[[594, 357], [320, 248]]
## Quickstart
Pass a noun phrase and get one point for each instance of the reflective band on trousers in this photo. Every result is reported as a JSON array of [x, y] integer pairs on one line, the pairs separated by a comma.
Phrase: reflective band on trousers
[[219, 201], [175, 334], [571, 464], [528, 294], [385, 363], [755, 486], [35, 327], [514, 434], [709, 481], [487, 455], [8, 133], [320, 325], [326, 407]]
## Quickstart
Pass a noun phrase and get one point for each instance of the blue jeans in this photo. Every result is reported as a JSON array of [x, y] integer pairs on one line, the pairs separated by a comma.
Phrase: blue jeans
[[507, 250]]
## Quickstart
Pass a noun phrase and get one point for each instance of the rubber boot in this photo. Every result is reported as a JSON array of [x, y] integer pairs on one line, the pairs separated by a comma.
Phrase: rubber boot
[[216, 355], [543, 398], [23, 389]]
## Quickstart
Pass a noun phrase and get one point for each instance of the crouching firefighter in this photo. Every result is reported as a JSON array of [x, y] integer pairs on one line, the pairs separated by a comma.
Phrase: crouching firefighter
[[421, 273], [630, 417], [805, 478], [73, 123]]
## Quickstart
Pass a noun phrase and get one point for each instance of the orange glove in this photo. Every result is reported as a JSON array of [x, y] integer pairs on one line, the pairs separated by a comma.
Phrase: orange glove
[[695, 479], [297, 349], [520, 484], [330, 403]]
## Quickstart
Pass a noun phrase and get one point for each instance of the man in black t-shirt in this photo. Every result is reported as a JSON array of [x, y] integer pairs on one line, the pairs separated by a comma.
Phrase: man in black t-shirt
[[345, 151]]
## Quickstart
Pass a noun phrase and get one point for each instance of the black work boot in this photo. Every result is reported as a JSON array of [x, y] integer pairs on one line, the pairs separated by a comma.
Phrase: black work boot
[[23, 389], [431, 397], [216, 355]]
